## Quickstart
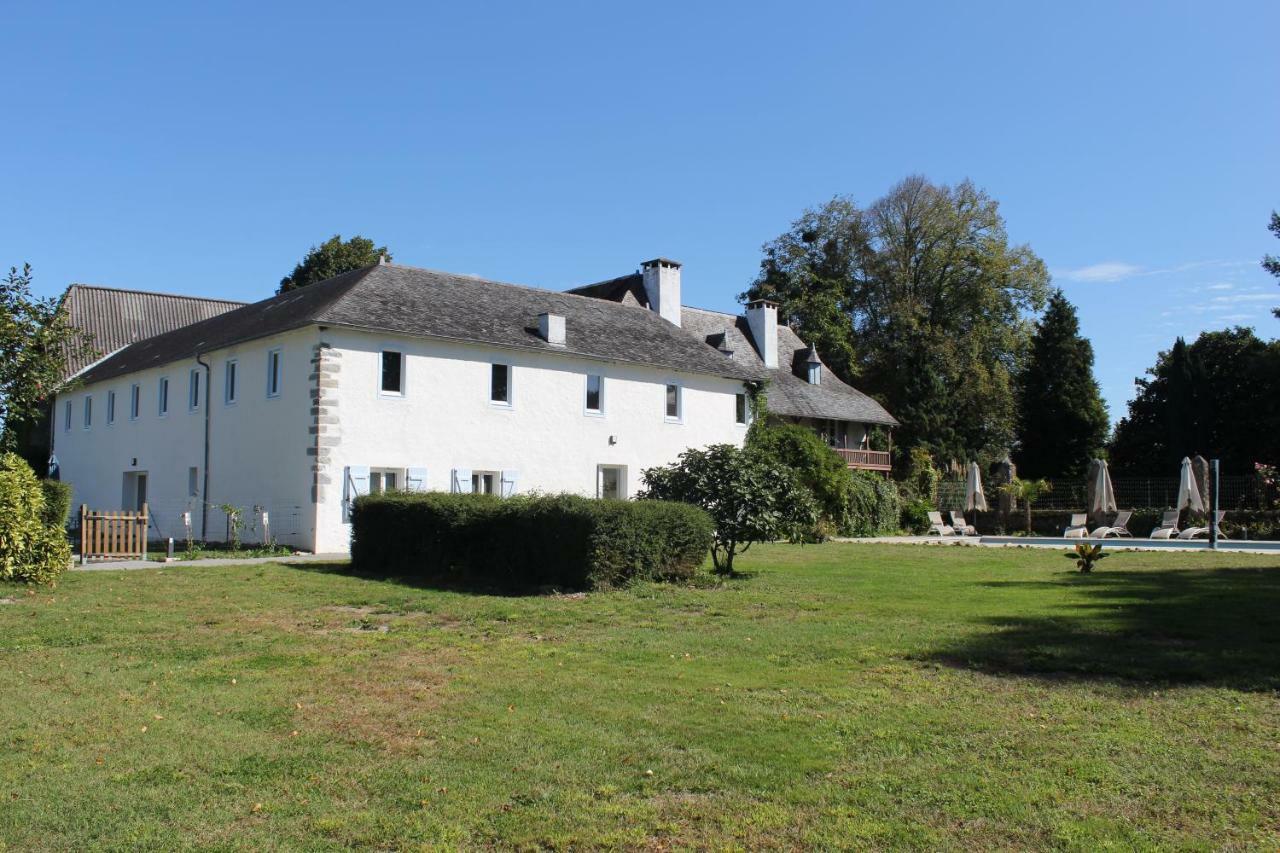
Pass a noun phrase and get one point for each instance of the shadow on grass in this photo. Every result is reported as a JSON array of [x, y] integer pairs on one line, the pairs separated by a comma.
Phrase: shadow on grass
[[1214, 627], [462, 585]]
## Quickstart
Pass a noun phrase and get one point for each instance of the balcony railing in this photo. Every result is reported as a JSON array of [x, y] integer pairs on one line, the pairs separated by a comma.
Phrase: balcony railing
[[866, 460]]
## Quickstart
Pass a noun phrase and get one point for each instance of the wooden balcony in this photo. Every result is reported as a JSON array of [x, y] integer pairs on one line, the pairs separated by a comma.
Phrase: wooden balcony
[[866, 460]]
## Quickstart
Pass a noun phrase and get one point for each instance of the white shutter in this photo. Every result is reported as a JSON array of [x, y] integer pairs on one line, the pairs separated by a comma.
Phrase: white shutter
[[415, 480], [508, 485], [462, 481], [355, 482]]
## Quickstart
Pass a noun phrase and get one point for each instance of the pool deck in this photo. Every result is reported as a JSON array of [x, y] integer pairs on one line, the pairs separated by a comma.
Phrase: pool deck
[[1226, 546]]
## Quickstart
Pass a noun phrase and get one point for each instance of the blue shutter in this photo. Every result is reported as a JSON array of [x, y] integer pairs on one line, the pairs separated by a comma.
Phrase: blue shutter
[[461, 481], [355, 482], [415, 480], [508, 485]]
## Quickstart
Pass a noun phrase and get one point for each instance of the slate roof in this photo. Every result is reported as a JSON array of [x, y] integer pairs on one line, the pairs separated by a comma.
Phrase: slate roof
[[788, 392], [117, 317], [425, 303]]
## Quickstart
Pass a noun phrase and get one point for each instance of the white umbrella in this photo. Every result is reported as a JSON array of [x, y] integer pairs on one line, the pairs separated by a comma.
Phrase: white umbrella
[[1104, 496], [1188, 491], [973, 496]]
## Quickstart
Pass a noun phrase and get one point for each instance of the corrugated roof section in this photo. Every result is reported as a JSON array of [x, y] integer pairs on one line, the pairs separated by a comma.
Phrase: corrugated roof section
[[116, 318]]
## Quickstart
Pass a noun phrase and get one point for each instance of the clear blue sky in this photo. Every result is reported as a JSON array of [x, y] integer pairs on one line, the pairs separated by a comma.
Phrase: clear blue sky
[[1133, 145]]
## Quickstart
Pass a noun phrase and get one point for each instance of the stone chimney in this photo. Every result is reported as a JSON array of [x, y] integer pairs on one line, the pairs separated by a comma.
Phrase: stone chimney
[[762, 318], [551, 328], [662, 287]]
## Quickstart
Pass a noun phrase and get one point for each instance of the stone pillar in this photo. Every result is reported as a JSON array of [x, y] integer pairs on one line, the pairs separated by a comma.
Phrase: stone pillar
[[325, 431], [1200, 467]]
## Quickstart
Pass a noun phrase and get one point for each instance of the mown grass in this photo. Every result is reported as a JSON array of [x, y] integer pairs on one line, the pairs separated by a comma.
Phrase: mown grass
[[840, 696]]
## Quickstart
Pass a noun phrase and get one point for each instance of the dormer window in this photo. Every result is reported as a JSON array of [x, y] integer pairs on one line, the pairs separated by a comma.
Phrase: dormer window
[[813, 366], [815, 374]]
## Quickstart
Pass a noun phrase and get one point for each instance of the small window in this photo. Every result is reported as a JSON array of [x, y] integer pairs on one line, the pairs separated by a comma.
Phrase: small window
[[740, 409], [500, 384], [392, 372], [613, 482], [88, 412], [230, 390], [194, 402], [273, 373], [384, 480], [673, 402], [66, 424], [135, 401], [193, 481], [484, 482], [111, 407], [595, 393], [164, 396]]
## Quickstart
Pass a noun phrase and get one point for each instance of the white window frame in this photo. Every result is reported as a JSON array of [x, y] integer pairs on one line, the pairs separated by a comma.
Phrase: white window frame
[[275, 370], [66, 423], [495, 481], [88, 411], [162, 397], [746, 409], [193, 390], [510, 402], [586, 395], [404, 372], [231, 381], [111, 407], [622, 480], [381, 473], [678, 418], [135, 401]]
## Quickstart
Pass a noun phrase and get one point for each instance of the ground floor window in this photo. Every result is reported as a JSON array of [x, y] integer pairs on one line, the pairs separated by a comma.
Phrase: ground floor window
[[485, 482], [384, 480], [611, 482]]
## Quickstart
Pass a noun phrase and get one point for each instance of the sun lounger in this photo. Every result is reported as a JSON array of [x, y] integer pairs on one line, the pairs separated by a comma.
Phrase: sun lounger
[[1193, 532], [1168, 526], [961, 526], [1078, 528], [1119, 527], [939, 526]]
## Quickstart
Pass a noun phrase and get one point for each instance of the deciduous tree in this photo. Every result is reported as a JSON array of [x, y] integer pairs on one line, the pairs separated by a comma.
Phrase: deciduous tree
[[333, 257]]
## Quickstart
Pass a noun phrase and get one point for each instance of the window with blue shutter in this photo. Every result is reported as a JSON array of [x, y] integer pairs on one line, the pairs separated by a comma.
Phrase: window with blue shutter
[[355, 482], [508, 484], [415, 479], [461, 481]]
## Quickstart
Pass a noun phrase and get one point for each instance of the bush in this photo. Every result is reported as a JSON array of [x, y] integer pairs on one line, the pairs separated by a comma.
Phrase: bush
[[561, 541], [30, 549], [818, 467], [57, 503], [874, 508], [922, 479], [915, 516]]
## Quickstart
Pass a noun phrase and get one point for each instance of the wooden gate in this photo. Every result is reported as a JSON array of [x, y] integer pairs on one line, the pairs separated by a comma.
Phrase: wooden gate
[[112, 534]]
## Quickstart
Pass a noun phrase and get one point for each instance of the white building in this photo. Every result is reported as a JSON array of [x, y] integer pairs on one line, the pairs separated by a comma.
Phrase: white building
[[396, 377]]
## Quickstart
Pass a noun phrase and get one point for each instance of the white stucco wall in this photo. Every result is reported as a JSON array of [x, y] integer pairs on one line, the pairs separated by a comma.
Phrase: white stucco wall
[[257, 446], [445, 420]]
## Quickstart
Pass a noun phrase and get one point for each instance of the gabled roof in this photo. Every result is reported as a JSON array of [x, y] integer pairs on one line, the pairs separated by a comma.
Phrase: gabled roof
[[115, 317], [424, 303], [788, 393]]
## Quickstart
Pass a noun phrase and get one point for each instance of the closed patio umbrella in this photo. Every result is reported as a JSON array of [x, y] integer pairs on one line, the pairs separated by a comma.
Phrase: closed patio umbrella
[[1104, 496], [973, 496], [1188, 491]]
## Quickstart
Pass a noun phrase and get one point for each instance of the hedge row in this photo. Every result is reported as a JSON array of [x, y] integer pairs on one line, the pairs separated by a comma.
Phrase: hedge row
[[57, 502], [561, 541]]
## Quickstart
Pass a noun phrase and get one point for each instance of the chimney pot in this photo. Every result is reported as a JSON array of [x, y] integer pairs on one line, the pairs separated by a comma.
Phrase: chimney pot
[[551, 328]]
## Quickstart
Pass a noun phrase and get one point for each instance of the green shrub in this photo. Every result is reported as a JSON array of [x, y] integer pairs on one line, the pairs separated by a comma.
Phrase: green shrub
[[874, 508], [922, 479], [915, 516], [817, 466], [57, 503], [30, 550], [561, 541]]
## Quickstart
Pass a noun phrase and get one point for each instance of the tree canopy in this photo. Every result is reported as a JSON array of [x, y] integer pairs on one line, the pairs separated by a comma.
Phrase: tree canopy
[[1062, 421], [919, 298], [333, 257], [1271, 263], [1218, 397]]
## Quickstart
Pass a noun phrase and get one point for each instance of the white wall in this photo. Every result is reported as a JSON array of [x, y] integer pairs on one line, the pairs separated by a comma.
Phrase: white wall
[[257, 448], [446, 421]]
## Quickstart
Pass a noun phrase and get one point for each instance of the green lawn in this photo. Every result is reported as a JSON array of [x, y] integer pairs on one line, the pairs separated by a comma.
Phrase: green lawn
[[842, 695]]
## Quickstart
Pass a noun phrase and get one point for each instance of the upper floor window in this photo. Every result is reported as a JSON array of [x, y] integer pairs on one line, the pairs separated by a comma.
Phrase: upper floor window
[[111, 407], [741, 410], [273, 373], [163, 406], [66, 423], [135, 401], [88, 412], [673, 402], [595, 393], [500, 384], [392, 372], [194, 402], [231, 389]]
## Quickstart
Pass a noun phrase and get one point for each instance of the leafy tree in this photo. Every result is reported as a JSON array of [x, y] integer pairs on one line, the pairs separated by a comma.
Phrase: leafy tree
[[32, 549], [1271, 263], [1062, 422], [35, 339], [1027, 491], [922, 299], [818, 467], [749, 497], [1218, 396], [333, 257]]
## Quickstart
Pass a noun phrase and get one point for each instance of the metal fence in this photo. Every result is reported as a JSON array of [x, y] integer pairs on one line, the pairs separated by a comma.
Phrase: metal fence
[[1240, 491]]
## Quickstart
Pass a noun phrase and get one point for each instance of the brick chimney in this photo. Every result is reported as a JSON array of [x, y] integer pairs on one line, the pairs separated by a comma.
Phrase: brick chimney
[[762, 318], [662, 287]]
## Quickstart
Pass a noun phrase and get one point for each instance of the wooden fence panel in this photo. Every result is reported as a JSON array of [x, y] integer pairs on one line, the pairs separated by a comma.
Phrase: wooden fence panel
[[112, 535]]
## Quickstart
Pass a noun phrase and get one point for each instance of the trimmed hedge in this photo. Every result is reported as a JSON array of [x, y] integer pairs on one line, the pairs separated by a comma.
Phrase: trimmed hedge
[[560, 541], [57, 503]]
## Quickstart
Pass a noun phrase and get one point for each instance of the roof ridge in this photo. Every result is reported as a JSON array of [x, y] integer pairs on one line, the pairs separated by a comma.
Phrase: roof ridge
[[710, 311], [494, 281], [83, 286]]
